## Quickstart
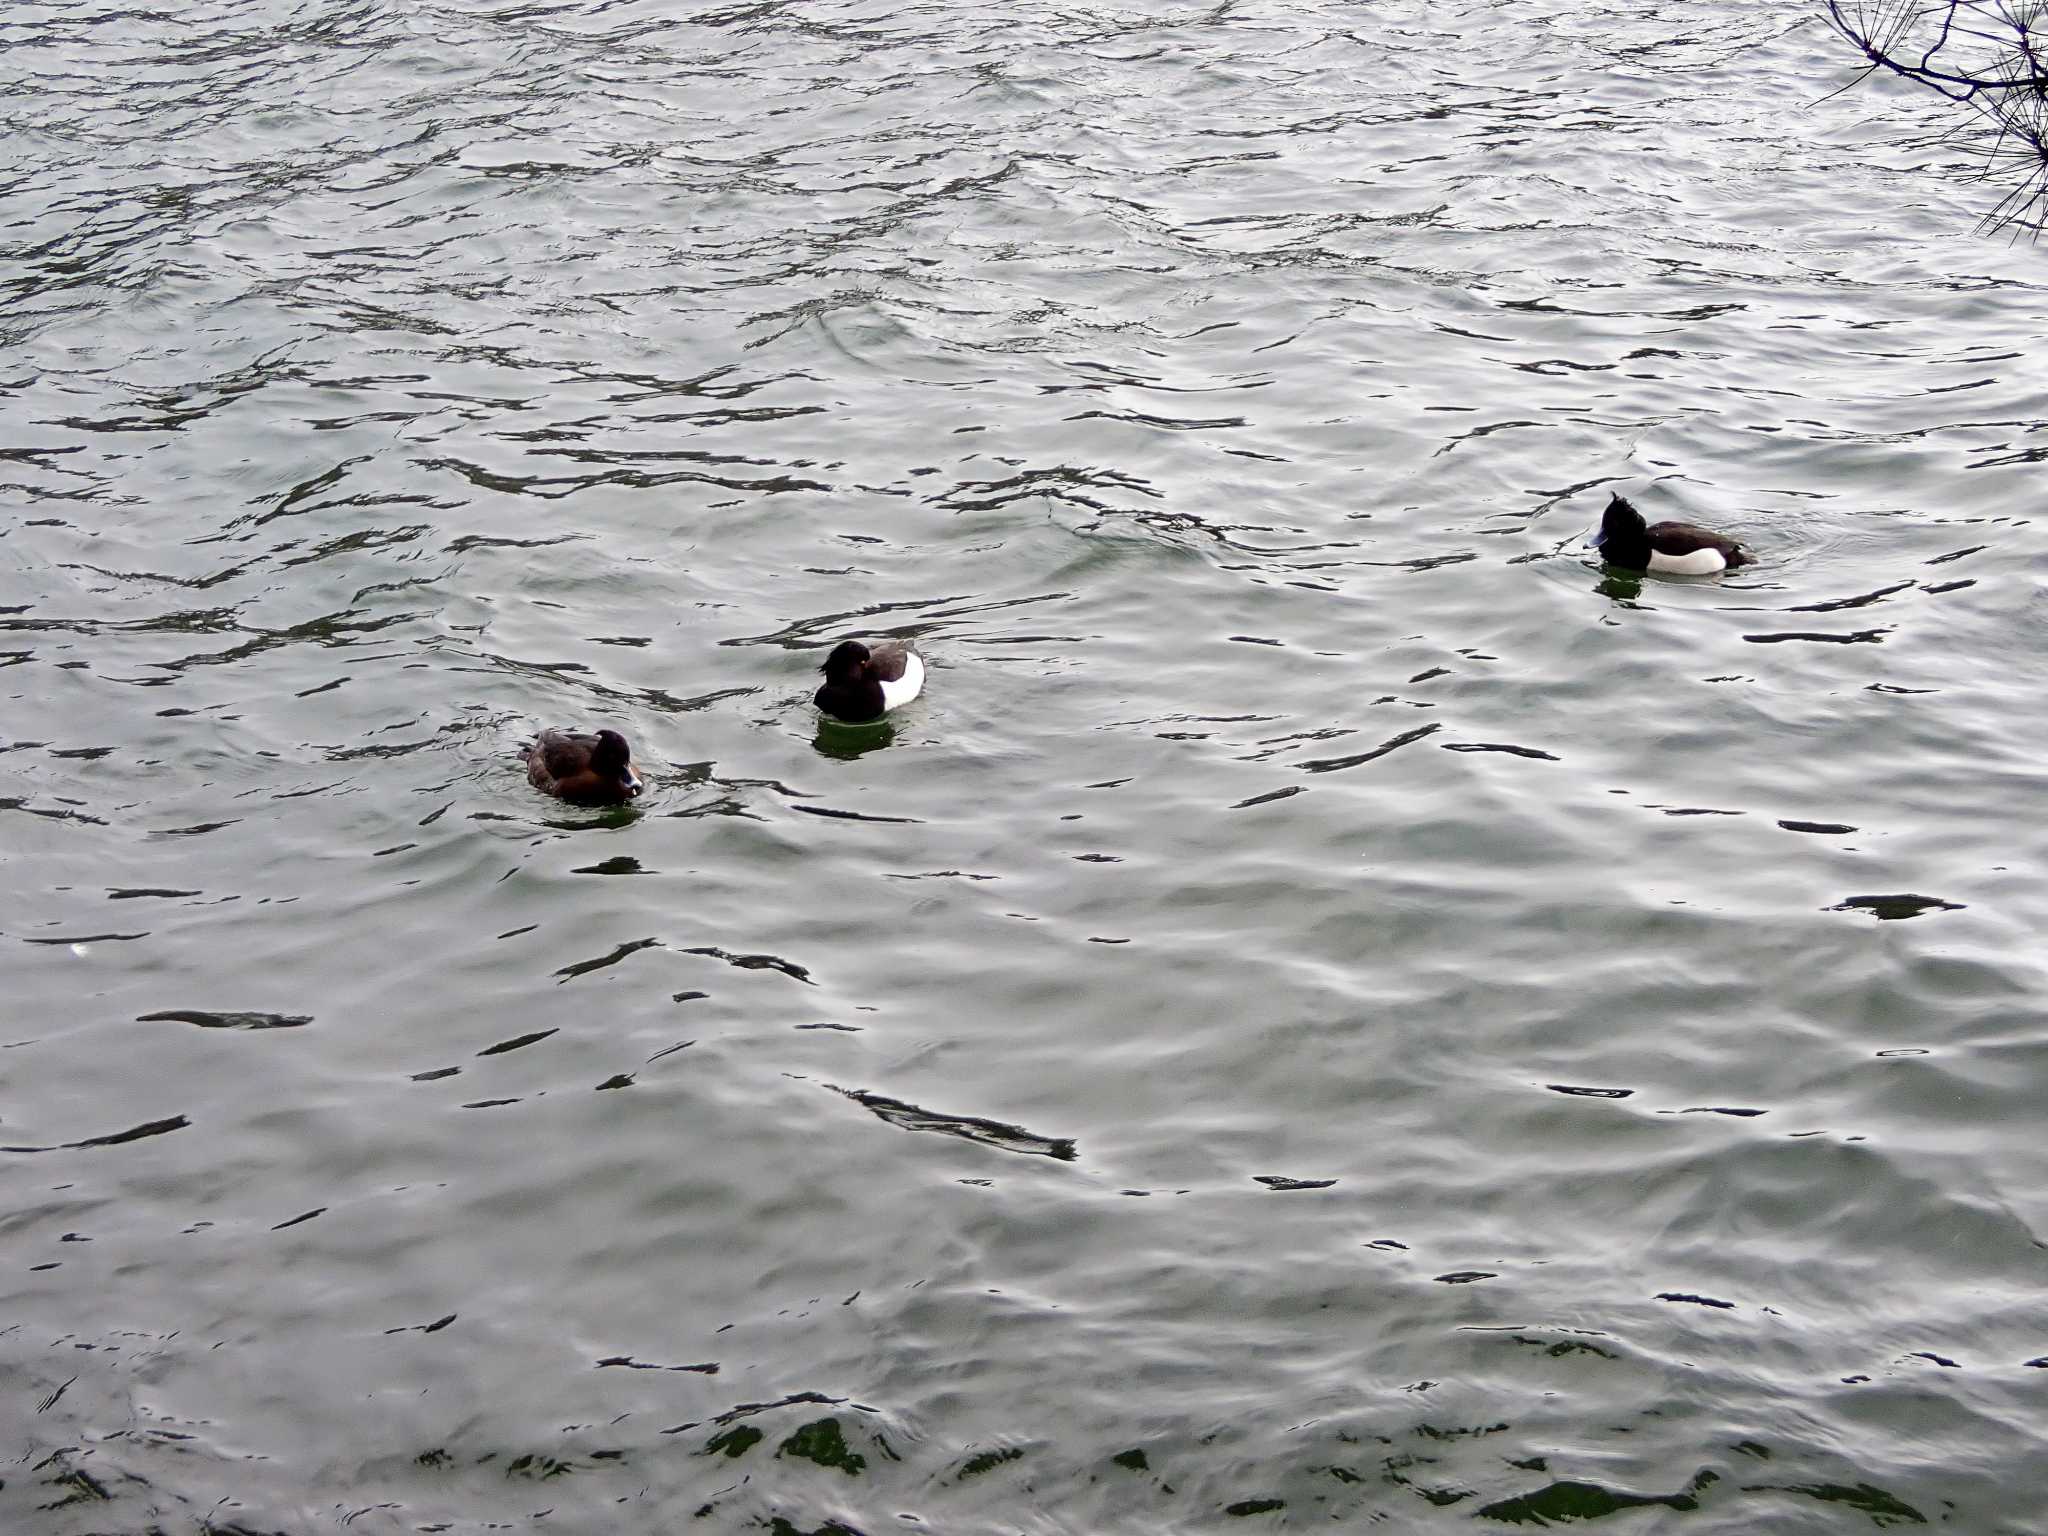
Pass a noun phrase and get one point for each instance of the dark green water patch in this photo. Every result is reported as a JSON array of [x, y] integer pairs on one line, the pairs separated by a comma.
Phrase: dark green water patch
[[736, 1441], [821, 1441], [1564, 1501], [538, 1468], [1245, 1507], [1884, 1509], [987, 1461]]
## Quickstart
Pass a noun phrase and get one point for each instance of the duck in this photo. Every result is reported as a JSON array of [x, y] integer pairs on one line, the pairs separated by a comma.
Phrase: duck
[[864, 682], [1677, 549], [588, 770]]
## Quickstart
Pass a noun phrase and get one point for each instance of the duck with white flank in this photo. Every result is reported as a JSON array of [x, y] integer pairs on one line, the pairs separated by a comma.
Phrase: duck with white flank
[[1675, 549], [587, 770], [864, 682]]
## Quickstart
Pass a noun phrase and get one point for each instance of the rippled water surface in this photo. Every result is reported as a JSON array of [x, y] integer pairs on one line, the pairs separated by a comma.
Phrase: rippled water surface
[[1333, 1007]]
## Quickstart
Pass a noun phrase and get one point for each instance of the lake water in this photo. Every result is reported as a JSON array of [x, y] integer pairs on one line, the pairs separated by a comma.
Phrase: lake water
[[1333, 1008]]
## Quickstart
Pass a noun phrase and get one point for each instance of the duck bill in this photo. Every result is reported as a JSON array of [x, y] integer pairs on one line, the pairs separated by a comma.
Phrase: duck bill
[[633, 785], [1598, 539]]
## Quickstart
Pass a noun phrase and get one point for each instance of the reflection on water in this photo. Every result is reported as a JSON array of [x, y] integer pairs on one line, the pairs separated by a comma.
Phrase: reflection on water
[[1342, 1008], [848, 743], [1623, 587]]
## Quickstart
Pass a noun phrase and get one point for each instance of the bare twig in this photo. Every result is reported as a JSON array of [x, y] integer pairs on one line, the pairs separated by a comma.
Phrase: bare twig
[[1988, 55]]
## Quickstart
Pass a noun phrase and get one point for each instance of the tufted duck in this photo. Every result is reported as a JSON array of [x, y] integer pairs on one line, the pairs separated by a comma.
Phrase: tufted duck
[[863, 683], [590, 770], [1679, 549]]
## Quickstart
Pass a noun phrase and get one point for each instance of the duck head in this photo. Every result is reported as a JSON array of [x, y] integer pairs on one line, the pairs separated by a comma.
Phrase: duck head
[[613, 759], [1620, 522], [848, 663]]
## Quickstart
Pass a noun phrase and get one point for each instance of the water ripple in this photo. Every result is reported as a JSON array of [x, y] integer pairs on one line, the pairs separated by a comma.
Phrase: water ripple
[[1220, 396]]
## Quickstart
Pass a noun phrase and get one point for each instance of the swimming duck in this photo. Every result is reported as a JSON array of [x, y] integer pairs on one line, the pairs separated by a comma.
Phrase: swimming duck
[[864, 682], [1679, 549], [590, 770]]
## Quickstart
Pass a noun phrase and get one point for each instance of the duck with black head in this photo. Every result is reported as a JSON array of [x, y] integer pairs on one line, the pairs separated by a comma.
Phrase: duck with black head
[[584, 769], [1674, 549], [864, 682]]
